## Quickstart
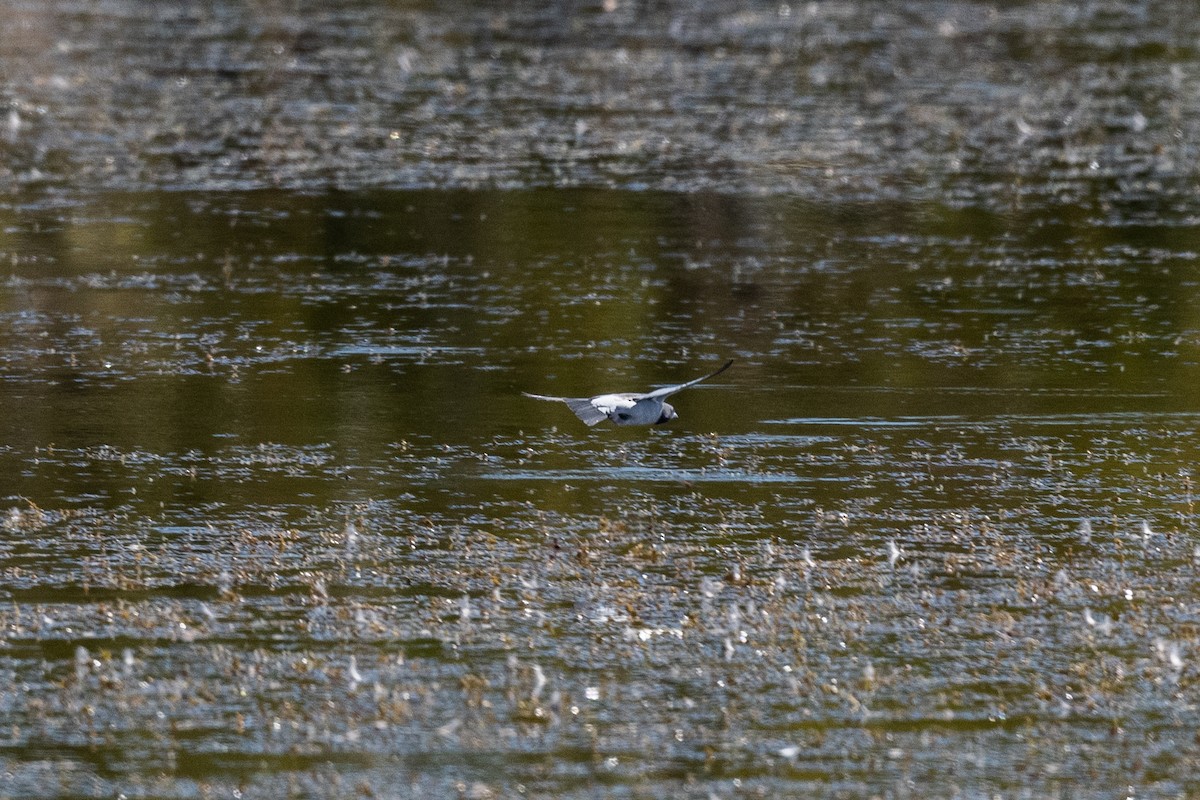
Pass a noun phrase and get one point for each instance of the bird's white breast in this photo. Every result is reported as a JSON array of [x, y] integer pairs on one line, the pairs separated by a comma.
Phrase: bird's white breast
[[624, 410]]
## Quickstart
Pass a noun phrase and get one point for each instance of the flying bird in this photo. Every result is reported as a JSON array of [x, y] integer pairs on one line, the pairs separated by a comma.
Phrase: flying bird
[[628, 408]]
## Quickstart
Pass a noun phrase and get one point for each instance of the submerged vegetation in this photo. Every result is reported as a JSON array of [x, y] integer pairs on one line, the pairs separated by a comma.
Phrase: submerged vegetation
[[985, 602]]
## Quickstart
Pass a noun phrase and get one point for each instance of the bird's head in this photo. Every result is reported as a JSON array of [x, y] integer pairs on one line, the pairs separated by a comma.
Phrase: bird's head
[[668, 414]]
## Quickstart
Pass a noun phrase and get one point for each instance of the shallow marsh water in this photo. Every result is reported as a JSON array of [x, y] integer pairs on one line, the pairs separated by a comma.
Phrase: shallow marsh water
[[277, 520]]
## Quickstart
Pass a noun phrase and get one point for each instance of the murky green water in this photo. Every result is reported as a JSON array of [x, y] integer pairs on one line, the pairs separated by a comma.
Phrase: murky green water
[[276, 520]]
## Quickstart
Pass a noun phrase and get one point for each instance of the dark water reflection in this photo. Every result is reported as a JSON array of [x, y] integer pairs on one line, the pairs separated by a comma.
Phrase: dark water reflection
[[278, 517], [369, 310]]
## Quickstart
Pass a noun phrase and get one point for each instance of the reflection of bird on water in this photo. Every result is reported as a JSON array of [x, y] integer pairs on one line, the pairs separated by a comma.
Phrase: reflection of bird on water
[[628, 408]]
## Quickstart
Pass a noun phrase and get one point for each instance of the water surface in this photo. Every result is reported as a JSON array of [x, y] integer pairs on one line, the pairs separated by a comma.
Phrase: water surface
[[276, 520]]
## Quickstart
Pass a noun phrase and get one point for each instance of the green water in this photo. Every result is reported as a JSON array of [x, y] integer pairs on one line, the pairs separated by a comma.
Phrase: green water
[[276, 520]]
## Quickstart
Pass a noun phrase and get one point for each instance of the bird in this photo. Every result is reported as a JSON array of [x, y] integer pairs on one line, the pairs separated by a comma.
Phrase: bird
[[628, 408]]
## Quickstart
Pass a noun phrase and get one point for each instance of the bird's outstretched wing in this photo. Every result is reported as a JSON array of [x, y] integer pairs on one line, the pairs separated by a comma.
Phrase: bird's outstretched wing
[[669, 390], [582, 407]]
